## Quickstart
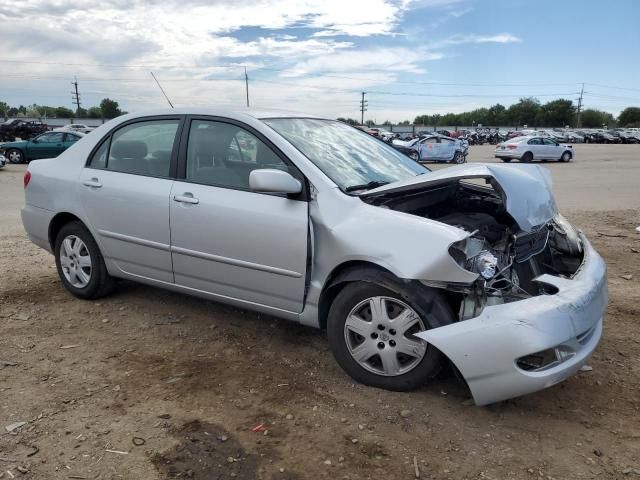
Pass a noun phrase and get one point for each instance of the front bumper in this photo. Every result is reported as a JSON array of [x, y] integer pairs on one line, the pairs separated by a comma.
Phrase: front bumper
[[485, 348]]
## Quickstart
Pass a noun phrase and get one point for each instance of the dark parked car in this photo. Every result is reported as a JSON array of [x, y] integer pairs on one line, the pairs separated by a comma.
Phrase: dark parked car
[[47, 145], [16, 128]]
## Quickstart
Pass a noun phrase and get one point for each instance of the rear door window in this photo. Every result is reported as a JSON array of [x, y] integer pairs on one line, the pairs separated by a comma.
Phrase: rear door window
[[141, 148]]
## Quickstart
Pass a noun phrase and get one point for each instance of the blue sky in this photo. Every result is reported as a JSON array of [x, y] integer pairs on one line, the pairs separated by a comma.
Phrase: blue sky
[[411, 56]]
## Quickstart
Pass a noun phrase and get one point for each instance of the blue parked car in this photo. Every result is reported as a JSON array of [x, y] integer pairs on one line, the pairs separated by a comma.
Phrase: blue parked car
[[434, 148]]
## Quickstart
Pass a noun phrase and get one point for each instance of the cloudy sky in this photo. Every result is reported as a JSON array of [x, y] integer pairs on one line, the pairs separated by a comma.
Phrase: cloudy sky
[[410, 56]]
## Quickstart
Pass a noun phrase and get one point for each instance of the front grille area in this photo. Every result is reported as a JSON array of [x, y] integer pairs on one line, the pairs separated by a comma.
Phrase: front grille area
[[528, 244]]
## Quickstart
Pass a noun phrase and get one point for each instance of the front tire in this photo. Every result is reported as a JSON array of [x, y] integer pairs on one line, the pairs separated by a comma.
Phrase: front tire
[[566, 157], [371, 327], [15, 156], [458, 158], [80, 264]]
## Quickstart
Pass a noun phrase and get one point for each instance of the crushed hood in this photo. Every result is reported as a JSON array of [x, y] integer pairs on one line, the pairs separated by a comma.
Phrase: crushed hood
[[526, 188]]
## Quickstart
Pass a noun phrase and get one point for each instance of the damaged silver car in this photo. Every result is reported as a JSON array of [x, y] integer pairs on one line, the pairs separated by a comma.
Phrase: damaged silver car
[[313, 221]]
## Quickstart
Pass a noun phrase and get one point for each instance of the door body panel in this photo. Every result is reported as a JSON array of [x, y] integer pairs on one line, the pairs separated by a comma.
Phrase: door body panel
[[448, 149], [240, 244], [429, 150], [535, 147], [130, 215], [48, 145], [551, 150]]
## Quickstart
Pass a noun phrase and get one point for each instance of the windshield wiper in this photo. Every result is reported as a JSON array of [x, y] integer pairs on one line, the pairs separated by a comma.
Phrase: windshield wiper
[[366, 186]]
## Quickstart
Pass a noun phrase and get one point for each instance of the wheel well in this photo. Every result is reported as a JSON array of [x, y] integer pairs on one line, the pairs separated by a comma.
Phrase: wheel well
[[347, 272], [59, 221]]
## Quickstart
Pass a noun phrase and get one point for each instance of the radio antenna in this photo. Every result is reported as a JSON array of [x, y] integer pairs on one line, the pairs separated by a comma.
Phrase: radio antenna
[[161, 89]]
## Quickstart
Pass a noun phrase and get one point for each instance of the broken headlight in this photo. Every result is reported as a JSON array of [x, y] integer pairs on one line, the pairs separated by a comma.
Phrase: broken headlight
[[566, 239], [472, 255]]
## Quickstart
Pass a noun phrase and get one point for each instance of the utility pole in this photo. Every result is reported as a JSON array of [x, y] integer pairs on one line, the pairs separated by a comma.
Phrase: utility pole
[[161, 89], [246, 85], [75, 96], [578, 114], [363, 107]]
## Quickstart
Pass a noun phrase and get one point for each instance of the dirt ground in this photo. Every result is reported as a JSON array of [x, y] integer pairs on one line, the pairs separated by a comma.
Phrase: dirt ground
[[147, 384]]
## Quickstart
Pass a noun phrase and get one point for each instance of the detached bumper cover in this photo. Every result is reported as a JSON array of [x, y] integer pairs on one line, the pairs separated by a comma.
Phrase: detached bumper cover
[[485, 349]]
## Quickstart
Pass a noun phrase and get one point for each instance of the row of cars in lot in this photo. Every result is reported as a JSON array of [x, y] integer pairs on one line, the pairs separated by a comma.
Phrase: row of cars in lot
[[616, 135], [493, 136]]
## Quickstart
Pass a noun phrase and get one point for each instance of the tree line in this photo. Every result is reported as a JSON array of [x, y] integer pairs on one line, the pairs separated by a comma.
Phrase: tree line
[[527, 111], [106, 110]]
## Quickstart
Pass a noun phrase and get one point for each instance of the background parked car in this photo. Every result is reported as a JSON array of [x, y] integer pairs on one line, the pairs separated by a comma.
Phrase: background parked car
[[47, 145], [16, 128], [434, 148], [3, 162], [528, 149], [74, 127], [383, 134]]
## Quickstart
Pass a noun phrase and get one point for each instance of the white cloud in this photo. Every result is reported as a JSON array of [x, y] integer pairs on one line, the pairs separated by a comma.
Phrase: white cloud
[[188, 41], [364, 60], [461, 39]]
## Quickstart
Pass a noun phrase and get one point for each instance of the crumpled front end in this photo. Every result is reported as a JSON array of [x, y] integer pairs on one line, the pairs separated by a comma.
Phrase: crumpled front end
[[523, 346], [532, 314]]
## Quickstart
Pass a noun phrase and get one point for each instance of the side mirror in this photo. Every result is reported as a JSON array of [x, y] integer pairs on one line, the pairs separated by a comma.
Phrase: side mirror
[[268, 180], [35, 140]]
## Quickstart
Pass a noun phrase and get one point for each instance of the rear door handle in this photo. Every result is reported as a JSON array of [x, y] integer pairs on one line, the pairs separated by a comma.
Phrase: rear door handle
[[186, 198], [94, 183]]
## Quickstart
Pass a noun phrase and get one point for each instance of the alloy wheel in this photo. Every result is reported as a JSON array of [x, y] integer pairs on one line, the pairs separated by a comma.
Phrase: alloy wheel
[[75, 261], [379, 333]]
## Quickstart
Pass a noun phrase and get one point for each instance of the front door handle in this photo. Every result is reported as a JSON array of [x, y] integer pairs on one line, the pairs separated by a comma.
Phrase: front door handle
[[186, 198], [93, 183]]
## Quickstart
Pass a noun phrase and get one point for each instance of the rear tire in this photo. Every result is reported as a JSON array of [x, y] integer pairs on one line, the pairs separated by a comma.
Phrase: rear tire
[[80, 264], [374, 356], [527, 157], [506, 160]]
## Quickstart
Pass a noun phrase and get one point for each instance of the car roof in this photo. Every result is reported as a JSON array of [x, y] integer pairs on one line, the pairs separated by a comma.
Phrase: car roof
[[258, 113]]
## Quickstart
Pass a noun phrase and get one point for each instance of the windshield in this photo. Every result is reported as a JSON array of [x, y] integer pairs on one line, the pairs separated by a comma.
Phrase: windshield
[[346, 155]]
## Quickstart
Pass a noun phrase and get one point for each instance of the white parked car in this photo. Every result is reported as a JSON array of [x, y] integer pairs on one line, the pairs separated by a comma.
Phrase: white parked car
[[382, 133], [75, 127], [528, 149]]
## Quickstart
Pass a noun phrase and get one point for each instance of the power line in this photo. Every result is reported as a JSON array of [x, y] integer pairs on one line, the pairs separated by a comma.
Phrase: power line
[[615, 88]]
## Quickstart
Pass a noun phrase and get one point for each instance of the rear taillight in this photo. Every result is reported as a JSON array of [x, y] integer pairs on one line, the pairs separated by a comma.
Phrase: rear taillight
[[511, 146], [27, 178]]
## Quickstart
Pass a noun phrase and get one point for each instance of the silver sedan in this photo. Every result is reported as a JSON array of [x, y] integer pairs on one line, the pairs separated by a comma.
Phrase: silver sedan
[[313, 221], [531, 148]]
